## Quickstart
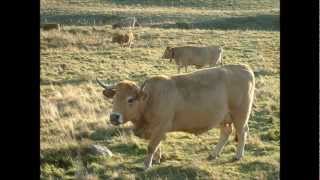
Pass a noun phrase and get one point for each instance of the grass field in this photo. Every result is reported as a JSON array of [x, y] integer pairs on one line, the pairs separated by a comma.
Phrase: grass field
[[74, 112]]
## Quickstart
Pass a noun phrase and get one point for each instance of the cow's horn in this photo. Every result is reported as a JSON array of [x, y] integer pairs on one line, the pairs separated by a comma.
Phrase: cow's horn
[[103, 85]]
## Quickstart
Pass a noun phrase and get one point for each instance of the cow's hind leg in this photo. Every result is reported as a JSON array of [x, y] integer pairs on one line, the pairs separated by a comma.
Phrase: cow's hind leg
[[240, 121], [225, 131], [241, 133]]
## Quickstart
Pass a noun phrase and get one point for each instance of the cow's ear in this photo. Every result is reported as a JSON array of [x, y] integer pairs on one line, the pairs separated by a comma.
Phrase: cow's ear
[[109, 93]]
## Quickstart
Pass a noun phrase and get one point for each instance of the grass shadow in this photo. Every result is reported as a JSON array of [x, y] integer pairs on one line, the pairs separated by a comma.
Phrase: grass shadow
[[65, 157], [259, 22], [107, 133], [269, 22], [100, 19], [212, 4], [272, 171], [174, 172], [75, 81], [162, 3], [59, 157], [81, 19], [264, 73], [221, 161], [130, 149], [63, 82]]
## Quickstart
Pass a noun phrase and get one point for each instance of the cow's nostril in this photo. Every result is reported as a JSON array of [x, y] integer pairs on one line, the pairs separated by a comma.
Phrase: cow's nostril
[[114, 117]]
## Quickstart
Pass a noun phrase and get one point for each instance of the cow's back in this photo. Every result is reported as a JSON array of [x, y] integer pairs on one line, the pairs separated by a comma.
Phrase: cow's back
[[234, 79]]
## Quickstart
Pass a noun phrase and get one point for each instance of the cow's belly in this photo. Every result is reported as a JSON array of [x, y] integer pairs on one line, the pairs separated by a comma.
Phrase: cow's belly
[[194, 61], [199, 109], [197, 121]]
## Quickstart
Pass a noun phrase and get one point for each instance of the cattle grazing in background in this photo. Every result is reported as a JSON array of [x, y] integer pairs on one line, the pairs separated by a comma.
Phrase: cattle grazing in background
[[218, 97], [193, 55]]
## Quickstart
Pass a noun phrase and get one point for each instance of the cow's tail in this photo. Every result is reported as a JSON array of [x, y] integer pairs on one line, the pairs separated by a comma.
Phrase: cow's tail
[[220, 53]]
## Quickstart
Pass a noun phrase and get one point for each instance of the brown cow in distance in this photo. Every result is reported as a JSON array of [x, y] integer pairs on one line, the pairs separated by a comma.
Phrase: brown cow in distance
[[123, 39], [217, 97]]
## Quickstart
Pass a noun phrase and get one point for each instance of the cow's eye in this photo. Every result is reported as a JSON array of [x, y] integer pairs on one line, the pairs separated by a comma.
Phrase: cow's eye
[[130, 100]]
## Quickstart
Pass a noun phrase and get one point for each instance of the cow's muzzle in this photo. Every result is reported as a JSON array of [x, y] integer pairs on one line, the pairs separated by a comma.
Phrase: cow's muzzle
[[116, 119]]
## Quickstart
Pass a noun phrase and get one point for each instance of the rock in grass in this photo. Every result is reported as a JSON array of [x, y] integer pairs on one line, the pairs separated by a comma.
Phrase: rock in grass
[[50, 26], [100, 150]]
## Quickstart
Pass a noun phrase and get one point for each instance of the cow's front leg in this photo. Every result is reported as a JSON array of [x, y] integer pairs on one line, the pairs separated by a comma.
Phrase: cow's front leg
[[157, 156], [179, 65], [178, 68], [152, 148]]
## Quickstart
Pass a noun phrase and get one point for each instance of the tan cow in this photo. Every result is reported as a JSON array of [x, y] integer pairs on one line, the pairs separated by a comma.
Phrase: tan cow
[[123, 39], [192, 55], [217, 97]]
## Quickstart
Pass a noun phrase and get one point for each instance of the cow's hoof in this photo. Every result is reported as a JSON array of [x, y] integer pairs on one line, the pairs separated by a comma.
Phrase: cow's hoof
[[147, 165], [146, 168], [212, 157], [156, 161]]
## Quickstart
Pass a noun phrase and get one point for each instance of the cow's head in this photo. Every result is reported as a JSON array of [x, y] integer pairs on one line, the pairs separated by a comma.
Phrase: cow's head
[[168, 53], [128, 101], [116, 38]]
